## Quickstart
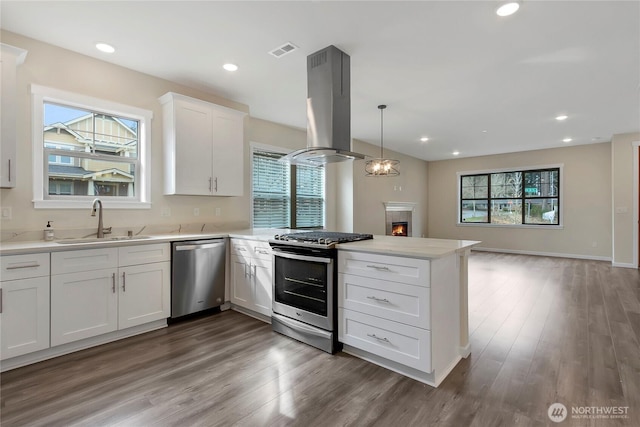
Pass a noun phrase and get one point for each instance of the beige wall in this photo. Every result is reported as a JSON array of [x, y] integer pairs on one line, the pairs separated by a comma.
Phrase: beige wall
[[50, 66], [586, 193], [370, 193], [623, 157]]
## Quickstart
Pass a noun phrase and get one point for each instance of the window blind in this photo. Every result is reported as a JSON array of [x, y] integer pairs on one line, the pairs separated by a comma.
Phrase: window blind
[[309, 196], [271, 200]]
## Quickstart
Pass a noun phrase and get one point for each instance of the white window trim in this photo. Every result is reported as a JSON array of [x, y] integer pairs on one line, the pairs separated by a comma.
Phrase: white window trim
[[560, 225], [42, 94]]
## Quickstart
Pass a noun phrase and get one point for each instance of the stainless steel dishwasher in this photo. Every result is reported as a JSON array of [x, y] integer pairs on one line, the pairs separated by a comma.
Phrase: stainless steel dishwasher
[[197, 278]]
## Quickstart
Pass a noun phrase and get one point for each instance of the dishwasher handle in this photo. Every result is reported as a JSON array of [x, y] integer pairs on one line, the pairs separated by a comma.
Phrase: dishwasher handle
[[192, 247]]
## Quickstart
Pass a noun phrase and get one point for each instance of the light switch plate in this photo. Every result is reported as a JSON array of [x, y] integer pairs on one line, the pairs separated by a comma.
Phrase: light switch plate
[[6, 212]]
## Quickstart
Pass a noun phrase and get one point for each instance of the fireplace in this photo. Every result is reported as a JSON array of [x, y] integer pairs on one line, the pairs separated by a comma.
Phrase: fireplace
[[399, 218], [400, 228]]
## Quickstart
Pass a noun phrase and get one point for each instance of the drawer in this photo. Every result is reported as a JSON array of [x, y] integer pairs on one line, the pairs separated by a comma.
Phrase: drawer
[[144, 254], [83, 260], [394, 341], [395, 301], [24, 266], [411, 271], [250, 248]]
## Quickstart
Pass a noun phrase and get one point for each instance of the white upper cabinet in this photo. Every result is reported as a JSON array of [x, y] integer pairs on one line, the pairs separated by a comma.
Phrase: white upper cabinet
[[203, 147], [11, 57]]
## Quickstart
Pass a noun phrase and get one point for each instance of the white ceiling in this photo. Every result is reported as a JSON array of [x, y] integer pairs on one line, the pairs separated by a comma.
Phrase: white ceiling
[[450, 70]]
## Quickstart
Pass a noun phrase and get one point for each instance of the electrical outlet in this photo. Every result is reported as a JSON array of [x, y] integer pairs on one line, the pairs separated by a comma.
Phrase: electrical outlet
[[218, 211], [6, 212], [196, 211], [165, 212]]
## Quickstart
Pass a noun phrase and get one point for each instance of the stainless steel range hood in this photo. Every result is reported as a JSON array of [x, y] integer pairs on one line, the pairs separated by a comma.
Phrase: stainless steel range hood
[[328, 110]]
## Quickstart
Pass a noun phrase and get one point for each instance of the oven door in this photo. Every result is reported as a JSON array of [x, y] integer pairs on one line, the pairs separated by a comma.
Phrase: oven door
[[303, 286]]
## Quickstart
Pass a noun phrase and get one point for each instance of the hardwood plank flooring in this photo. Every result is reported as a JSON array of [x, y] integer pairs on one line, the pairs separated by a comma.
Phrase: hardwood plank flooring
[[543, 330]]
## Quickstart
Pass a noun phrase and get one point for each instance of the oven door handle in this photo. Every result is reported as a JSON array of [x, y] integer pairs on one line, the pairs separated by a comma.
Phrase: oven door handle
[[279, 253], [299, 326]]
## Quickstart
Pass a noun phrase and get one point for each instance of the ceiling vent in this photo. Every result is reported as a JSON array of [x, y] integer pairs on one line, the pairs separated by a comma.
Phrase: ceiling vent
[[283, 50]]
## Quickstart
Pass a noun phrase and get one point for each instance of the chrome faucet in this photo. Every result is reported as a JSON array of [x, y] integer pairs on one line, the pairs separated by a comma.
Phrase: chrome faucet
[[101, 230]]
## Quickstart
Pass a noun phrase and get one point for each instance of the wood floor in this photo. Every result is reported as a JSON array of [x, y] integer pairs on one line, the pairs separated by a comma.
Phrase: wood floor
[[543, 330]]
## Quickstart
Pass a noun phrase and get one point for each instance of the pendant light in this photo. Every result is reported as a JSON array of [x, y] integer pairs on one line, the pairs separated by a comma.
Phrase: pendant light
[[382, 166]]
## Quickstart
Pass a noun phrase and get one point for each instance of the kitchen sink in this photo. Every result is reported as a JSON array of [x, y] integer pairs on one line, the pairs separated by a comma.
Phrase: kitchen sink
[[101, 239]]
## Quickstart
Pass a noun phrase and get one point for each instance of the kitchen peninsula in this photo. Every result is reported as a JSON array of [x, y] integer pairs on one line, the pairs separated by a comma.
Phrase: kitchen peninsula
[[403, 303]]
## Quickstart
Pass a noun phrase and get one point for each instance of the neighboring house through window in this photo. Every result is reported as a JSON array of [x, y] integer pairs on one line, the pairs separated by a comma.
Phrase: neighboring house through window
[[86, 147], [283, 195]]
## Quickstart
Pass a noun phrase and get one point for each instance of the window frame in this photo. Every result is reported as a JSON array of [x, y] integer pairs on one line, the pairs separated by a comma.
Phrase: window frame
[[292, 186], [41, 198], [523, 170]]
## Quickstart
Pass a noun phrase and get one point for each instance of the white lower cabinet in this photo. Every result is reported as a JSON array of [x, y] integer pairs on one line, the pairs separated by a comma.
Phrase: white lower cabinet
[[251, 273], [87, 301], [402, 313], [24, 304]]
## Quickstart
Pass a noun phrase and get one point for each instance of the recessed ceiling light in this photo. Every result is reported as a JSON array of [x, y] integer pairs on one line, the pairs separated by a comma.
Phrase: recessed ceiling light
[[561, 117], [424, 139], [455, 153], [508, 8], [567, 140], [105, 47], [484, 131], [230, 67]]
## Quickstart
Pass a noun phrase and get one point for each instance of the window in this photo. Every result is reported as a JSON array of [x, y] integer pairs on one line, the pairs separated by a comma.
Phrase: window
[[521, 197], [283, 195], [86, 147]]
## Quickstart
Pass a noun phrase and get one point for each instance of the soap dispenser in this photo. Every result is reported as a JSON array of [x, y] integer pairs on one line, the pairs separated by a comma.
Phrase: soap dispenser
[[48, 232]]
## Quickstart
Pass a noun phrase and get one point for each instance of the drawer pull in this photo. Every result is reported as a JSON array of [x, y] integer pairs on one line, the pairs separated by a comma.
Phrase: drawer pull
[[241, 249], [378, 338], [384, 300], [379, 267], [263, 252], [15, 267]]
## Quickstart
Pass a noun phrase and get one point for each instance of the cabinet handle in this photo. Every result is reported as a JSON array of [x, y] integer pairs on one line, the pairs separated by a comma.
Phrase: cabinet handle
[[113, 283], [123, 283], [379, 299], [0, 300], [378, 267], [245, 270], [242, 249], [209, 184], [263, 252], [216, 188], [15, 267], [378, 338], [254, 270], [9, 170]]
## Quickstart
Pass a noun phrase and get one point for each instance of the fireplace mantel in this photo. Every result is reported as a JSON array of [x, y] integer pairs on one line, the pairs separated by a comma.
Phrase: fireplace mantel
[[399, 206]]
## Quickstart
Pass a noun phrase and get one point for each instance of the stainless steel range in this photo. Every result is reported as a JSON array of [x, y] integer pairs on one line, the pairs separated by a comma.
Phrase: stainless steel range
[[305, 286]]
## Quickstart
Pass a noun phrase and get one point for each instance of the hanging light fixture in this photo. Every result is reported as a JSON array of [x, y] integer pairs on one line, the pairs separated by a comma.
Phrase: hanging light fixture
[[382, 166]]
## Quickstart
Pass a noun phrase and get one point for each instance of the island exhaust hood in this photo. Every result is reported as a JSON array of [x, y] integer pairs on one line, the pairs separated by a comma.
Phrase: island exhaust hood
[[328, 110]]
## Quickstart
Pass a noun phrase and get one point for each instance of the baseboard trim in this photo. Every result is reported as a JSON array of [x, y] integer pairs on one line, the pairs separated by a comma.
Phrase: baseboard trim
[[536, 253], [624, 265]]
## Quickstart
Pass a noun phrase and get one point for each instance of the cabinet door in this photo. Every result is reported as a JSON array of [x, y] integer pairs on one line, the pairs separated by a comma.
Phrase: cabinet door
[[11, 57], [263, 291], [83, 305], [228, 162], [144, 294], [193, 149], [24, 318], [241, 292]]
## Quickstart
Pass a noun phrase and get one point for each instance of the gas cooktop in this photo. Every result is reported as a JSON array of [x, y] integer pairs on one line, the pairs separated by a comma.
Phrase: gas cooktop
[[325, 239]]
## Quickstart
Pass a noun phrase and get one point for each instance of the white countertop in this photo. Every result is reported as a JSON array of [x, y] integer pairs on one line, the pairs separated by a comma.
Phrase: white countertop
[[413, 247], [34, 246]]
